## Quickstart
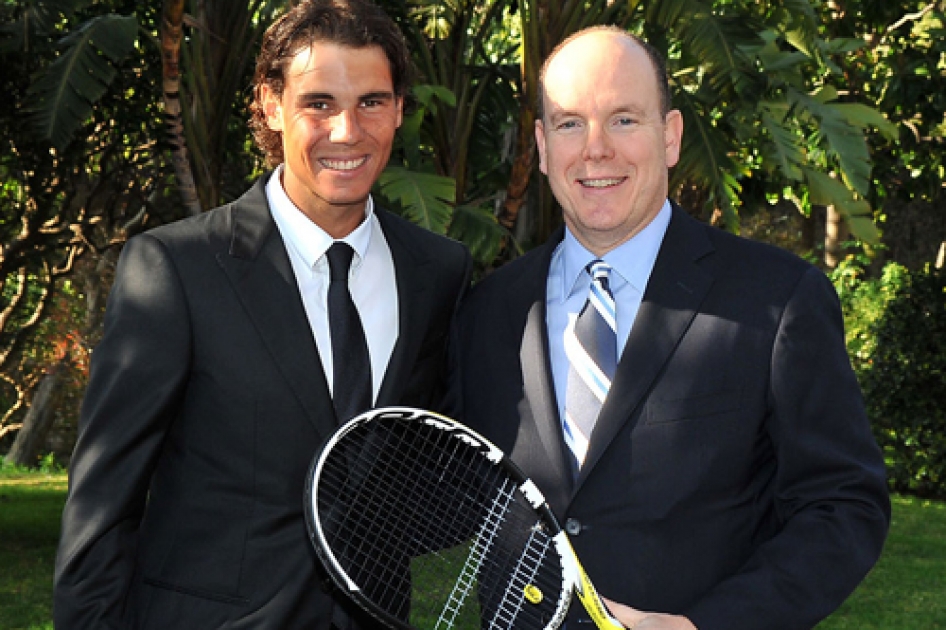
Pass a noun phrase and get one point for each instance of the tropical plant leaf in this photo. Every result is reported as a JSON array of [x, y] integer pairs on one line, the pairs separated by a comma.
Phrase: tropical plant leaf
[[863, 116], [844, 139], [72, 84], [428, 95], [827, 191], [774, 59], [36, 19], [802, 15], [425, 198], [478, 228], [720, 44], [705, 159], [785, 147]]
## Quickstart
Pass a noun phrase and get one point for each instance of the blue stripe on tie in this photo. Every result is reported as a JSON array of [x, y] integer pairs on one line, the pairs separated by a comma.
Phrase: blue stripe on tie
[[591, 348]]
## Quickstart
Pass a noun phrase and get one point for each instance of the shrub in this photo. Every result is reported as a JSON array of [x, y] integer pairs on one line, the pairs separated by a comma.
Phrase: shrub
[[897, 341]]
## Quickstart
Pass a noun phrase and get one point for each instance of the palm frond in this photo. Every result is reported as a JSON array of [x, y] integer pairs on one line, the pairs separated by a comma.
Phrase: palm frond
[[719, 44], [667, 13], [775, 60], [799, 22], [705, 159], [843, 139], [478, 228], [785, 148], [80, 76], [827, 191], [425, 198], [864, 116], [36, 19]]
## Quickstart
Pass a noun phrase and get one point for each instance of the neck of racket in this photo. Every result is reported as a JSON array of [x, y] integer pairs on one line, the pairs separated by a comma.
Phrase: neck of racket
[[587, 595]]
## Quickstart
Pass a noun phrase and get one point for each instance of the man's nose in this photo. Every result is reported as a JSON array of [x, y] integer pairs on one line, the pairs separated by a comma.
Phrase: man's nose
[[345, 127], [598, 144]]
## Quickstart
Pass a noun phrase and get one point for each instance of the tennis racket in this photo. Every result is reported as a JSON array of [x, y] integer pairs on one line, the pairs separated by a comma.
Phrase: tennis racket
[[426, 525]]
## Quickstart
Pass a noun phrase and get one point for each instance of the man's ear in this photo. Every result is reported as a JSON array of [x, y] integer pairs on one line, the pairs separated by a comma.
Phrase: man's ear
[[272, 107], [673, 137], [540, 145]]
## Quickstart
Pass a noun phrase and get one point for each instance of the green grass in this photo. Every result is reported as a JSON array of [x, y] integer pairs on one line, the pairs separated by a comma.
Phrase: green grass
[[905, 591], [907, 588], [30, 507]]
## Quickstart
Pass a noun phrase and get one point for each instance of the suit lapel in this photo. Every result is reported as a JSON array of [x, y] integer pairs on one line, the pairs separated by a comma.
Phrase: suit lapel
[[528, 296], [258, 267], [674, 293], [413, 295]]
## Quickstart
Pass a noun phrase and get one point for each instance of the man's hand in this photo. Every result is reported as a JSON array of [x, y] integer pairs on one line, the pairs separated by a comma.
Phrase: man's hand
[[642, 620]]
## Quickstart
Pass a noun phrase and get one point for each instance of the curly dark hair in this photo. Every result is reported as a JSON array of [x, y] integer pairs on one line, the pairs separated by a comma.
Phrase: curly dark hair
[[351, 23]]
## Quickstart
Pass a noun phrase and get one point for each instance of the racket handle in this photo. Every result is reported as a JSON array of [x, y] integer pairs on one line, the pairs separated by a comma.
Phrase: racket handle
[[594, 605], [587, 594]]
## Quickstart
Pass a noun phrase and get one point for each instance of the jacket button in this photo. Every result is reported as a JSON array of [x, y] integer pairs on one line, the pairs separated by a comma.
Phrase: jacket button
[[573, 526]]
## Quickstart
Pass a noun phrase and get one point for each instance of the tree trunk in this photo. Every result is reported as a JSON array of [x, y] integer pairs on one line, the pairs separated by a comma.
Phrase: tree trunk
[[39, 419], [172, 31], [835, 235], [41, 414]]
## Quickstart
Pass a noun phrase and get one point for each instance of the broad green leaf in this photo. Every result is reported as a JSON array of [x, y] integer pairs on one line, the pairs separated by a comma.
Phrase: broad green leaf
[[826, 94], [479, 230], [36, 21], [706, 159], [70, 87], [720, 43], [786, 149], [425, 198], [428, 95], [825, 190], [863, 116], [843, 139]]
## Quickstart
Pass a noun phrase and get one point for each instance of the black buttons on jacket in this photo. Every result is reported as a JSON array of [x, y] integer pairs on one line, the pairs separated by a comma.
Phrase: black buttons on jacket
[[573, 526]]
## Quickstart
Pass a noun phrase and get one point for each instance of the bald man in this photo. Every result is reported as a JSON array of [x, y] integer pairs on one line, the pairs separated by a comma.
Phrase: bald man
[[682, 396]]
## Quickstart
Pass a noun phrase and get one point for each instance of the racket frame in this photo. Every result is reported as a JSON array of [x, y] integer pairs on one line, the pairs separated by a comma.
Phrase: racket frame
[[575, 580]]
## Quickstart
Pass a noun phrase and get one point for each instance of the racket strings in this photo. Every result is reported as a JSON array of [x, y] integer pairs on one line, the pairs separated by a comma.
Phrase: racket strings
[[478, 554], [432, 532], [523, 577]]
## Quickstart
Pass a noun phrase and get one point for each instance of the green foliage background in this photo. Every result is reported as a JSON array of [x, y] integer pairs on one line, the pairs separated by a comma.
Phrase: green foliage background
[[896, 336]]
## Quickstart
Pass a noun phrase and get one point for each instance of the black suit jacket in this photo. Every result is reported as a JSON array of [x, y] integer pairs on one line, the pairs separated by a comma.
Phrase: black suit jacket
[[206, 403], [732, 475]]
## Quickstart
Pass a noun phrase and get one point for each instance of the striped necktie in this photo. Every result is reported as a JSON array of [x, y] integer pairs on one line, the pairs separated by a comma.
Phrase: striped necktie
[[591, 348]]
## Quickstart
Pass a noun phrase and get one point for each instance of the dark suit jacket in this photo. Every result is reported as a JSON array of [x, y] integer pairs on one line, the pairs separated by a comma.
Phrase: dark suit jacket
[[206, 404], [732, 475]]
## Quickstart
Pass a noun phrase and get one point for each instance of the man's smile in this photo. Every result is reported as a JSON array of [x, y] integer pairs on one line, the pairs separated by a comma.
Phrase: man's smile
[[602, 182], [343, 164]]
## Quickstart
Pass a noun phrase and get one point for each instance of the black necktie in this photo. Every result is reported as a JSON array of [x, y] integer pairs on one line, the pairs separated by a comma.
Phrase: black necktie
[[351, 365]]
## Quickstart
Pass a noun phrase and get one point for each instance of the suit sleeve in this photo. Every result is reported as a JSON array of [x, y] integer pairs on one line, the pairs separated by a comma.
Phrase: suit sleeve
[[831, 498], [452, 403], [138, 376]]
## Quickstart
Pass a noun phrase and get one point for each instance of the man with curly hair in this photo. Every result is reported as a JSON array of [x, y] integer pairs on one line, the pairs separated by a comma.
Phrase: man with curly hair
[[222, 370]]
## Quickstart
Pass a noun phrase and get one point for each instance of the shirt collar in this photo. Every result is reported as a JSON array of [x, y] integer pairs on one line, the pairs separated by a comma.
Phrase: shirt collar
[[632, 260], [308, 240]]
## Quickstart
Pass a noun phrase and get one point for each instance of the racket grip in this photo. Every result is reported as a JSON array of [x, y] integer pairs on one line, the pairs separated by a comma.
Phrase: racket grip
[[587, 594], [594, 605]]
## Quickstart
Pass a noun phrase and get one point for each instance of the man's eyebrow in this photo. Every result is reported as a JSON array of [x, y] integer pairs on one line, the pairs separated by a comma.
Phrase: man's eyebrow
[[556, 113], [379, 95], [315, 96]]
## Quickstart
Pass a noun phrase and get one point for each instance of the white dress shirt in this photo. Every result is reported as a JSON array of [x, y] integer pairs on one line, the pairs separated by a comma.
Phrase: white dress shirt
[[371, 280], [568, 284]]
